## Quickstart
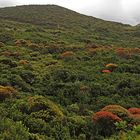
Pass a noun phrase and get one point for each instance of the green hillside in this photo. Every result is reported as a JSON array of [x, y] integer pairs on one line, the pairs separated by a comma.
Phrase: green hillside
[[75, 27], [67, 76]]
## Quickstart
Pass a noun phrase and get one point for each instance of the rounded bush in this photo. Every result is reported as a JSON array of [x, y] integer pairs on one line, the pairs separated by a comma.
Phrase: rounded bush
[[117, 110], [23, 62], [134, 110], [67, 55], [40, 107], [106, 71], [105, 122], [21, 42], [7, 92], [111, 66], [105, 115]]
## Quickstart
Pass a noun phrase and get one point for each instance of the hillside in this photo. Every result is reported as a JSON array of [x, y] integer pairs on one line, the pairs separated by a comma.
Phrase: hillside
[[74, 26], [67, 76]]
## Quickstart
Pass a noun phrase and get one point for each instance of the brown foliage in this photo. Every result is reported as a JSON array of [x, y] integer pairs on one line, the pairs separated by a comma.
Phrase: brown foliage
[[2, 45], [23, 62], [67, 54], [7, 92], [123, 52], [21, 42], [12, 54], [117, 110], [134, 110]]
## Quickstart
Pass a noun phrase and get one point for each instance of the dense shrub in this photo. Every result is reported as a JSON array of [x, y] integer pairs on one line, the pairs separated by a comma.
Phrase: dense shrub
[[117, 110], [111, 66], [122, 52], [21, 42], [2, 44], [135, 115], [134, 110], [11, 54], [7, 92], [34, 46], [36, 125], [54, 49], [6, 37], [23, 62], [11, 130], [135, 119], [28, 76], [106, 71], [67, 55], [105, 122], [40, 107], [63, 75], [8, 61], [77, 125]]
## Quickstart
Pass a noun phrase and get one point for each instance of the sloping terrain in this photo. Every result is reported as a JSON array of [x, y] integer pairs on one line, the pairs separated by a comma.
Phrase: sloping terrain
[[58, 68], [75, 26]]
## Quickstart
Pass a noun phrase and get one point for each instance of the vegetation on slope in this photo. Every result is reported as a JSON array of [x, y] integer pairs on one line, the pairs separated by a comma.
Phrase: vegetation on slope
[[71, 78]]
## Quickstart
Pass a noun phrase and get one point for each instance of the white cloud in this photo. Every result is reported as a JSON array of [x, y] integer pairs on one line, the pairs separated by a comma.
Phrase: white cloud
[[126, 11], [4, 3]]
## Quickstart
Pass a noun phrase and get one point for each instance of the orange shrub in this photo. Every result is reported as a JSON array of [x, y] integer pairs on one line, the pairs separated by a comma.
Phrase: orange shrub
[[111, 66], [105, 122], [106, 71], [7, 92], [106, 116], [67, 55], [122, 52], [21, 42], [134, 110], [117, 110], [23, 62]]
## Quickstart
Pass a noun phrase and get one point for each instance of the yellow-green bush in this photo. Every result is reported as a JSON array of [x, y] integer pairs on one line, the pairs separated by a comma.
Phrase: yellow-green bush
[[40, 107], [117, 110], [7, 92]]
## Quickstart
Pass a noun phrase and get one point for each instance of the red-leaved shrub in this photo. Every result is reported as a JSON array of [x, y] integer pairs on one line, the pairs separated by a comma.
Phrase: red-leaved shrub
[[134, 110], [117, 110], [107, 116], [106, 71], [105, 122]]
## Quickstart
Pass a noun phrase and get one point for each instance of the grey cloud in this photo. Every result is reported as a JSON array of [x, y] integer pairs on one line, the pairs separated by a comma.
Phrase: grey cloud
[[5, 3], [107, 10]]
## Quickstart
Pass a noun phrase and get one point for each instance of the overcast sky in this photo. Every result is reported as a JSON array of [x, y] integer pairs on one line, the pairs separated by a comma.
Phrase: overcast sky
[[126, 11]]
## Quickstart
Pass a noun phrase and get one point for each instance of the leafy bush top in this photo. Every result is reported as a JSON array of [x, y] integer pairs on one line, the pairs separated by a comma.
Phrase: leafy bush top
[[117, 110], [104, 115], [134, 110], [67, 54], [36, 104], [106, 71], [7, 92]]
